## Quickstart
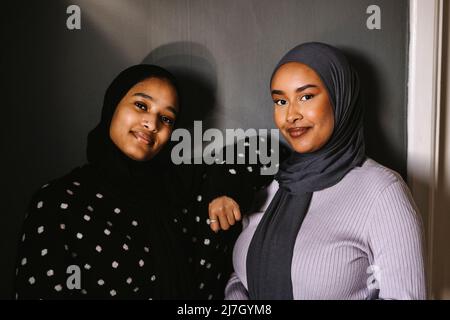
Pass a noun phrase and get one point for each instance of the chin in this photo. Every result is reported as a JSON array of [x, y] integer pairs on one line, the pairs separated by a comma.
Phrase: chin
[[146, 157], [301, 149], [138, 155], [137, 158]]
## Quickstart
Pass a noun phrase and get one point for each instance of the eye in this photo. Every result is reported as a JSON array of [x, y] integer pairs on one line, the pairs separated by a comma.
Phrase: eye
[[140, 105], [280, 102], [167, 120], [306, 97]]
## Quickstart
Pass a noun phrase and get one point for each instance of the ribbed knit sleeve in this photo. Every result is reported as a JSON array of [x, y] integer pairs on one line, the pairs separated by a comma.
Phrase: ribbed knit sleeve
[[395, 238]]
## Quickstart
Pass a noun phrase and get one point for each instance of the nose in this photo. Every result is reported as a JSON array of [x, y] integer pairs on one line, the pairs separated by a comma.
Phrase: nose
[[150, 123], [293, 114]]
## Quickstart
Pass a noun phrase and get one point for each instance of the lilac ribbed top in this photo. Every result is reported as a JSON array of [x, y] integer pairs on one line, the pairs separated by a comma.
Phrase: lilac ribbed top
[[361, 239]]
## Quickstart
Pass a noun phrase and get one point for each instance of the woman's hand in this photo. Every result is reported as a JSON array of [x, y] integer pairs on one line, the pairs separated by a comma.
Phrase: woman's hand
[[223, 212]]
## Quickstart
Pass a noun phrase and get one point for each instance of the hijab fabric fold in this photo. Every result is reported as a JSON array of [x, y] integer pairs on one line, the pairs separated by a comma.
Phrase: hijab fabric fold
[[270, 252]]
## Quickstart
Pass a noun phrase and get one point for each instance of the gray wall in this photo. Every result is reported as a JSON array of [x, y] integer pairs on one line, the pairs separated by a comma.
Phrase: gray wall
[[222, 50]]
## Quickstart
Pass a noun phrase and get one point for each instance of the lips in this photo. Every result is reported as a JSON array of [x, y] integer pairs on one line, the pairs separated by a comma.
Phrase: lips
[[143, 137], [298, 131]]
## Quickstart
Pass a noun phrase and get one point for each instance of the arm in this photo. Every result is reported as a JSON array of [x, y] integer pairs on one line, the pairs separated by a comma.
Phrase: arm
[[42, 258], [210, 253], [236, 185], [395, 238]]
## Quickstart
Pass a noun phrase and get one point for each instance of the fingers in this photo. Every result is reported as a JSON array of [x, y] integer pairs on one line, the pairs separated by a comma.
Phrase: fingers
[[230, 216], [232, 212], [236, 212], [214, 213], [224, 225], [213, 220], [223, 213], [214, 224]]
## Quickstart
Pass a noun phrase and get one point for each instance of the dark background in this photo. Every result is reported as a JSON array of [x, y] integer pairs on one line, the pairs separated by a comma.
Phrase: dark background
[[223, 51]]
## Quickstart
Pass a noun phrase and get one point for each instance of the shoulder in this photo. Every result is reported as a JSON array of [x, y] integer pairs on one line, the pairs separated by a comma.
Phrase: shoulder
[[389, 194], [371, 186], [373, 176], [52, 193], [55, 186]]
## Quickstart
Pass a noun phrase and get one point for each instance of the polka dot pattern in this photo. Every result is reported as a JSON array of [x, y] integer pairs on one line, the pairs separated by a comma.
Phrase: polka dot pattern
[[111, 264], [76, 221]]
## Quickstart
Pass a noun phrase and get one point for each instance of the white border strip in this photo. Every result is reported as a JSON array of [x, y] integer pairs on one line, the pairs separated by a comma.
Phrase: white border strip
[[425, 51]]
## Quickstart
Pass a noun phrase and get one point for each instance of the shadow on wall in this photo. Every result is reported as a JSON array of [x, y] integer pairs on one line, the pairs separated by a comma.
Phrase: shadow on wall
[[194, 68], [379, 146]]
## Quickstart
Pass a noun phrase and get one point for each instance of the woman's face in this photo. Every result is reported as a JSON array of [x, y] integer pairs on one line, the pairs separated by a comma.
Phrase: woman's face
[[302, 108], [143, 120]]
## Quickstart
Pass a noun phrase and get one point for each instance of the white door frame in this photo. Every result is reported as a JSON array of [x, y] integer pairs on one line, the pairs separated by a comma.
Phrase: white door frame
[[424, 92]]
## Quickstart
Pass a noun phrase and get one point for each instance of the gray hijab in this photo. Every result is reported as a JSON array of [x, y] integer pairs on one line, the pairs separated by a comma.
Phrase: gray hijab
[[270, 252]]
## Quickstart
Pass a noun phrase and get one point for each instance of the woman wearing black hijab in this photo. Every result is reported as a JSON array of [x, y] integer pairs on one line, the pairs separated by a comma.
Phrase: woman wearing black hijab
[[335, 224], [135, 225], [102, 231]]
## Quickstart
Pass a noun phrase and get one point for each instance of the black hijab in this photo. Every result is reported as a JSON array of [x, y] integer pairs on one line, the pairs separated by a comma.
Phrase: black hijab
[[132, 178], [270, 253], [141, 185]]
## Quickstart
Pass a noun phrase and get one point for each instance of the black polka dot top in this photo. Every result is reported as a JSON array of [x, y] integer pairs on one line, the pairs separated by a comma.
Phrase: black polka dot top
[[83, 240], [80, 240]]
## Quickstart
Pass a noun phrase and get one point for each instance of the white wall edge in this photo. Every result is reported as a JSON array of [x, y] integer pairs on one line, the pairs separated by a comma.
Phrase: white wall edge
[[425, 50]]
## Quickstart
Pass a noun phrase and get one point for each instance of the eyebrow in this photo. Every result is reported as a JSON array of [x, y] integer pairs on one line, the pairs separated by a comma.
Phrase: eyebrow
[[146, 96], [300, 89]]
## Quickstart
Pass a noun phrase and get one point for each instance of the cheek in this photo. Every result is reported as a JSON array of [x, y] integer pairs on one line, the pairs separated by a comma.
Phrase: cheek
[[330, 124], [320, 114], [278, 117], [115, 129], [328, 118], [314, 115], [164, 135], [324, 119], [123, 122]]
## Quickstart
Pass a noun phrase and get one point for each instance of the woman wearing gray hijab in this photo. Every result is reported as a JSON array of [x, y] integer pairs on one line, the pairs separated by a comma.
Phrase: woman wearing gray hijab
[[334, 224]]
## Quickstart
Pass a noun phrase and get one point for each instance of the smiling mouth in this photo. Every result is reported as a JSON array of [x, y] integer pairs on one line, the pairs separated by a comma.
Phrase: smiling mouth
[[143, 138], [298, 132]]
